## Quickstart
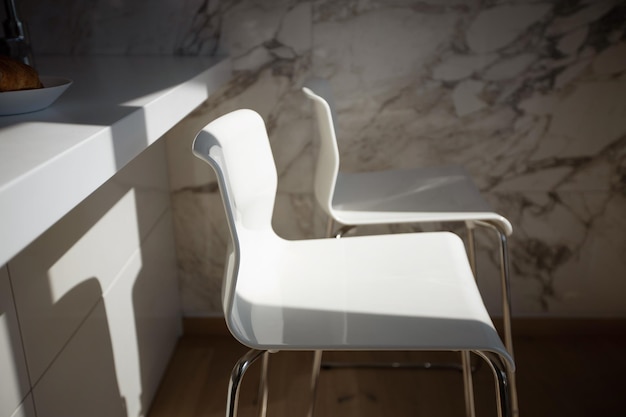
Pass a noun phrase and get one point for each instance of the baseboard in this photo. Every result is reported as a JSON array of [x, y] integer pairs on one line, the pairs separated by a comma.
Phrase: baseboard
[[522, 326], [561, 326], [204, 326]]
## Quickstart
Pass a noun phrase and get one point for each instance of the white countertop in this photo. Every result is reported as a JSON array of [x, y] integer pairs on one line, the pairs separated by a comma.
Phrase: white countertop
[[52, 159]]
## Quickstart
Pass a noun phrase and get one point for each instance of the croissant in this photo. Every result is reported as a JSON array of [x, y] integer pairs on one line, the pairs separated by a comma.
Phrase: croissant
[[15, 75]]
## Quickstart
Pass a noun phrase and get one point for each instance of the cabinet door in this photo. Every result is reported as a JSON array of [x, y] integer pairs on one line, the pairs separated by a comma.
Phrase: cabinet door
[[114, 362], [61, 276], [26, 409], [15, 384], [143, 314], [81, 381]]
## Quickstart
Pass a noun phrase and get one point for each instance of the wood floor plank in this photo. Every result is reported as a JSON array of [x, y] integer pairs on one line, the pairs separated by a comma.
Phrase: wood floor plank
[[557, 375]]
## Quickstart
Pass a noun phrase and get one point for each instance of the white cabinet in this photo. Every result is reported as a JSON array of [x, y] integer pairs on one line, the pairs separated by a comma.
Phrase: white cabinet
[[86, 232], [81, 381], [14, 385], [26, 408], [59, 278], [113, 363], [143, 314], [97, 297]]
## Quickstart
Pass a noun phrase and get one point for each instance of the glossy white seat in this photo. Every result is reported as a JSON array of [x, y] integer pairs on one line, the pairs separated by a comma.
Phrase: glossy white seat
[[419, 195], [412, 291]]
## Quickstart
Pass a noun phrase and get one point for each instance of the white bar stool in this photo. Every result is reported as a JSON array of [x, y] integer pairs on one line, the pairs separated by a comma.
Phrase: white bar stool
[[412, 291], [419, 195]]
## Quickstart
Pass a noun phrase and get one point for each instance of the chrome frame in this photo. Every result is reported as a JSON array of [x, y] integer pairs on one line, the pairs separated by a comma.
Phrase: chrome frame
[[442, 366], [236, 376], [505, 283], [503, 390], [315, 374], [468, 384], [263, 385], [498, 366]]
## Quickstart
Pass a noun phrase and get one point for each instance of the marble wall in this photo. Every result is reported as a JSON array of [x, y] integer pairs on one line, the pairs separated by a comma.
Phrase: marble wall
[[529, 96]]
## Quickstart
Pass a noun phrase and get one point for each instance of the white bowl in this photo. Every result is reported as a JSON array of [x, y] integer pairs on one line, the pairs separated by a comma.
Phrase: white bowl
[[26, 101]]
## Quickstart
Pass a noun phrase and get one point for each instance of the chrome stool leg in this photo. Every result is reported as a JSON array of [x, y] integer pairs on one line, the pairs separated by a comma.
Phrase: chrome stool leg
[[506, 304], [468, 384], [466, 360], [235, 380], [503, 389], [315, 374], [263, 387], [506, 313], [505, 283]]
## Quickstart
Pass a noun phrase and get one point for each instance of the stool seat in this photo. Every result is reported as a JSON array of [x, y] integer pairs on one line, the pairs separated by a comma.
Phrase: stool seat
[[418, 195], [362, 292]]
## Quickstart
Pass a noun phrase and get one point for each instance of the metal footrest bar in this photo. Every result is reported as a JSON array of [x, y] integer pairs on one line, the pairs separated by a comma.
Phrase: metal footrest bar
[[452, 366]]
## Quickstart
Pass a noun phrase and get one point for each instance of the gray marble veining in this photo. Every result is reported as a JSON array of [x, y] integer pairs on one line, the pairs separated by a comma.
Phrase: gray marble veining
[[529, 96]]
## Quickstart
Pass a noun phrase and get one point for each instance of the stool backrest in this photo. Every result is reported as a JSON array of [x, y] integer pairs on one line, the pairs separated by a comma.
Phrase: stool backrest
[[327, 168], [237, 147]]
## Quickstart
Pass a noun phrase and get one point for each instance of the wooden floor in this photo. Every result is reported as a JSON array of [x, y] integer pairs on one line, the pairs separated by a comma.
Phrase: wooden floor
[[557, 376]]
